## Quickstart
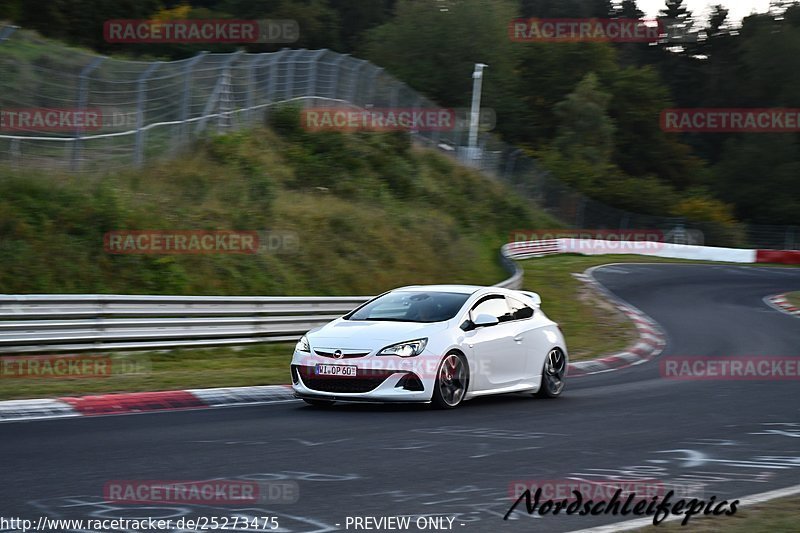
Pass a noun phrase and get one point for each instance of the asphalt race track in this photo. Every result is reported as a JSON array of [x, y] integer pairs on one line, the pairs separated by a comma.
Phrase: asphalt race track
[[735, 437]]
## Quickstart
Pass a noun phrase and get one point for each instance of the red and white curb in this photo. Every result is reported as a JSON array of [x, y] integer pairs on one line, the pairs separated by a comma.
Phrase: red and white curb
[[141, 402], [652, 338], [780, 303]]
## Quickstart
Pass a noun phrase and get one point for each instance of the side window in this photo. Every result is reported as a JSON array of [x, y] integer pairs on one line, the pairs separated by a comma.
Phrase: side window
[[519, 310], [495, 306]]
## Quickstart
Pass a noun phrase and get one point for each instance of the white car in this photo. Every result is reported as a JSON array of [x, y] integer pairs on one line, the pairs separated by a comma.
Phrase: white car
[[437, 343]]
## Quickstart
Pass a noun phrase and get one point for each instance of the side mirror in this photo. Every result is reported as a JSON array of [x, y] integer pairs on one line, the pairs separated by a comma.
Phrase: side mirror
[[484, 319]]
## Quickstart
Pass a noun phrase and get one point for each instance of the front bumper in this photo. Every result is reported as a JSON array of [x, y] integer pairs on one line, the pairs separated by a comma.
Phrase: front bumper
[[378, 379]]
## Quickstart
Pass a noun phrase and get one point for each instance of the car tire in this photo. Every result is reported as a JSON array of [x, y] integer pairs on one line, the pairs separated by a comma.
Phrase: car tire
[[554, 374], [452, 381], [318, 403]]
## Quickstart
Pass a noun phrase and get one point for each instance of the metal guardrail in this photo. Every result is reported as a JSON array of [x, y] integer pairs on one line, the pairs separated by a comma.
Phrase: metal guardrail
[[58, 323], [37, 323]]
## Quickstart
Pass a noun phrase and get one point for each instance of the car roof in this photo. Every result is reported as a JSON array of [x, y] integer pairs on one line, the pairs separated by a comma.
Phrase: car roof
[[461, 289]]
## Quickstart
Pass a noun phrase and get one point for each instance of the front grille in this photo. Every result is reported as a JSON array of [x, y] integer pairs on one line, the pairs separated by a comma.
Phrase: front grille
[[366, 382], [345, 354]]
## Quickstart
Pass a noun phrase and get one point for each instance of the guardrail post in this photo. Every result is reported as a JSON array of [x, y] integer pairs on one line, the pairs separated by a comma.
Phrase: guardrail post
[[187, 94], [141, 86], [83, 101]]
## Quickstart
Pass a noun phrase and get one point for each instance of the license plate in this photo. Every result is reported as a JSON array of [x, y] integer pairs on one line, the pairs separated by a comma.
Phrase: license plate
[[336, 370]]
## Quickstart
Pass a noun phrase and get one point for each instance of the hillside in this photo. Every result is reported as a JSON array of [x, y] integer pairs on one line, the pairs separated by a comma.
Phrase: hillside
[[369, 212]]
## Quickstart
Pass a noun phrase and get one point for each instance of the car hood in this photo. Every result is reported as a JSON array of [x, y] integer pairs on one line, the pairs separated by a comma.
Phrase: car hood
[[362, 334]]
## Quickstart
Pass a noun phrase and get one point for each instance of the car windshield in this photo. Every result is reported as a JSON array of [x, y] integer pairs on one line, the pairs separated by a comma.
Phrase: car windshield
[[411, 306]]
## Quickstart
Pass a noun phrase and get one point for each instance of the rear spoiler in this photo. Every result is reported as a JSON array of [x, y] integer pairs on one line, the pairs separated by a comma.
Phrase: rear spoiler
[[537, 300]]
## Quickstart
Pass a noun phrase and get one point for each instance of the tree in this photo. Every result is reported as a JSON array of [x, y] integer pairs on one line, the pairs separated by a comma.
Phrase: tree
[[433, 46], [81, 21], [548, 71], [641, 147], [627, 9], [716, 20], [566, 8], [358, 16], [758, 173], [677, 23], [585, 130]]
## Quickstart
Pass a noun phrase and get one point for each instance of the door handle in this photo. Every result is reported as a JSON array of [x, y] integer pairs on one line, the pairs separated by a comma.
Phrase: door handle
[[519, 339]]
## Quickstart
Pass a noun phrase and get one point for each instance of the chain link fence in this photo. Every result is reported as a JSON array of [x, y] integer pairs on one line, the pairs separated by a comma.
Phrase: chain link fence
[[150, 110]]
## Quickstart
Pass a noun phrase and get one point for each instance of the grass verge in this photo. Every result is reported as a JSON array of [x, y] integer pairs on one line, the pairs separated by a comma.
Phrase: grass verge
[[173, 370], [794, 298]]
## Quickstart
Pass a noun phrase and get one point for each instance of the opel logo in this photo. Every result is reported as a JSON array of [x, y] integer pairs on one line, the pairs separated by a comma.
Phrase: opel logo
[[338, 354]]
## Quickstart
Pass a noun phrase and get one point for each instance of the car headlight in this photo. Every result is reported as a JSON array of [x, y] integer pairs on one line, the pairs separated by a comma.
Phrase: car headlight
[[302, 345], [405, 349]]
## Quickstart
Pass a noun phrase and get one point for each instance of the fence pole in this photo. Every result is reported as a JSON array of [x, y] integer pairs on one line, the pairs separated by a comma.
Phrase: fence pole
[[354, 83], [512, 161], [252, 85], [226, 104], [83, 101], [14, 152], [290, 68], [312, 77], [376, 71], [273, 74], [337, 73], [187, 94], [141, 87], [213, 99], [395, 95]]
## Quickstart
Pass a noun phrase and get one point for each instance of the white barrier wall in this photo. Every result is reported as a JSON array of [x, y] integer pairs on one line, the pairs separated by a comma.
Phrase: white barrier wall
[[658, 249]]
